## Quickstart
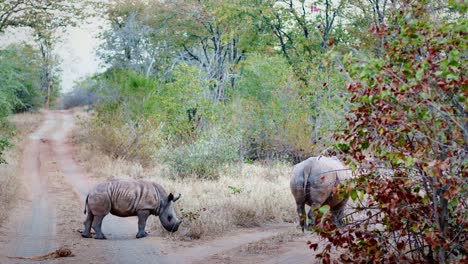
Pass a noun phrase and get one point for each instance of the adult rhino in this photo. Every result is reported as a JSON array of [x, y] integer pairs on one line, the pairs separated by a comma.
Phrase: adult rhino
[[312, 183], [127, 197]]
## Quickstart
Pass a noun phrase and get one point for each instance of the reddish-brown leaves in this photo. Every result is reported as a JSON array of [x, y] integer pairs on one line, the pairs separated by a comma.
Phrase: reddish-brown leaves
[[312, 246], [409, 113]]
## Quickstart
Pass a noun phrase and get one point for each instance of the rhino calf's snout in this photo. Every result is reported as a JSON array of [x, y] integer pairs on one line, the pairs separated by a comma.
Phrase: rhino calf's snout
[[176, 226]]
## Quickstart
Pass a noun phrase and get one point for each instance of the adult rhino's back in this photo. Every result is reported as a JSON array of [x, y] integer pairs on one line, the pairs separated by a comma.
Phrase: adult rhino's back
[[318, 172]]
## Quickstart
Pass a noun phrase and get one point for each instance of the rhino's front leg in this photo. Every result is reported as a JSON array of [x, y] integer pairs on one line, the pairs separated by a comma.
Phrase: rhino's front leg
[[142, 217], [97, 226]]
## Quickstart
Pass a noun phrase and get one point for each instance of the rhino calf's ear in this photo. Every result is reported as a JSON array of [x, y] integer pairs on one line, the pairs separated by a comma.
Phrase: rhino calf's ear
[[177, 198], [170, 197]]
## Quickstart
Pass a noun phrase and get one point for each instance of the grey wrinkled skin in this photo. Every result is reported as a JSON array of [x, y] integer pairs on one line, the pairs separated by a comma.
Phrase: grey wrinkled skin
[[127, 197], [312, 183]]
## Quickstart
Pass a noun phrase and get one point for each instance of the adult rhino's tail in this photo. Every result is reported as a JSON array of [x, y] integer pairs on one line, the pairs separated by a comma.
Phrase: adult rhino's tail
[[86, 204]]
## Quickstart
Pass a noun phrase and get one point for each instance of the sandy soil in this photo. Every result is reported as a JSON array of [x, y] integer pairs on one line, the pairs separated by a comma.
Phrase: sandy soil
[[49, 214]]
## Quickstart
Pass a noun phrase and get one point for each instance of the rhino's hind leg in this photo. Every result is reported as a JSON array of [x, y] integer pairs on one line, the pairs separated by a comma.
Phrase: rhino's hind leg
[[97, 226], [302, 215], [338, 212], [311, 217], [87, 225], [142, 217]]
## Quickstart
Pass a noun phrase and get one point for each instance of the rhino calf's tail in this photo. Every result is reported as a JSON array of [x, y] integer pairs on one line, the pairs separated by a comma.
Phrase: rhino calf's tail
[[86, 204]]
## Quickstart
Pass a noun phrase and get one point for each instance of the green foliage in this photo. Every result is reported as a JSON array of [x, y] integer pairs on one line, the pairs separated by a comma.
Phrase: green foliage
[[137, 96], [19, 78], [183, 104], [136, 113], [324, 209], [203, 158], [234, 190], [4, 144], [18, 13], [269, 110]]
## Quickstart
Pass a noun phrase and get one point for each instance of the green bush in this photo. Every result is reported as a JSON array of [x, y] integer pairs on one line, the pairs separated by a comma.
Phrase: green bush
[[83, 94], [203, 158], [19, 80], [120, 138], [268, 109]]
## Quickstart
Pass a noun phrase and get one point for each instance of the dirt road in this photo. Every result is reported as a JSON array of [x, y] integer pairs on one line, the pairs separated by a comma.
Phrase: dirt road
[[49, 212]]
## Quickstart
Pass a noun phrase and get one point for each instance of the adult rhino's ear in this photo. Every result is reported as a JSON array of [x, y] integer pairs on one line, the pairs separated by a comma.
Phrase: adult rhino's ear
[[170, 197]]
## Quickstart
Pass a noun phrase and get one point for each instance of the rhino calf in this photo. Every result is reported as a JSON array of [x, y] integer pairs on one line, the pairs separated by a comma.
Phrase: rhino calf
[[127, 197], [312, 183]]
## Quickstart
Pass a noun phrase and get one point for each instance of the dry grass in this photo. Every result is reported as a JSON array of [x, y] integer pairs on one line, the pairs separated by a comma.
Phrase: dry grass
[[26, 123], [110, 134], [9, 183], [245, 195], [9, 180]]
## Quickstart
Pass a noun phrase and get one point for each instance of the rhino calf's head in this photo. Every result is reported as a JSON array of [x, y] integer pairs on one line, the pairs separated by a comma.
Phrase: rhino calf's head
[[167, 216]]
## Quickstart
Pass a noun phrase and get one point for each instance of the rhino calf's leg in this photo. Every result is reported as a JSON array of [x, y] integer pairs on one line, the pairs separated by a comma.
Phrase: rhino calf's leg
[[142, 217], [97, 226], [87, 225]]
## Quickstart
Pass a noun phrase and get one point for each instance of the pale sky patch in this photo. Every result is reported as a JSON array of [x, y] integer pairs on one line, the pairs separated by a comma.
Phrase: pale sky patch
[[76, 49], [77, 52]]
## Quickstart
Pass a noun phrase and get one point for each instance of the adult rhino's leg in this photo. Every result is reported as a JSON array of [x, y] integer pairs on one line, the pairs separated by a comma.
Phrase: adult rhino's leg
[[337, 212], [142, 217], [87, 225], [302, 215], [97, 226], [311, 217]]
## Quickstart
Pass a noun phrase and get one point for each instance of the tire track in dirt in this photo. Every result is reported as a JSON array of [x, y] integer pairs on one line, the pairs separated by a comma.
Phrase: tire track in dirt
[[32, 228], [284, 247], [201, 252]]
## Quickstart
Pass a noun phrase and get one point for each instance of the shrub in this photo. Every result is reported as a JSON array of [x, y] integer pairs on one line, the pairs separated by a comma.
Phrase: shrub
[[203, 158], [268, 109], [121, 138], [20, 80], [82, 95]]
